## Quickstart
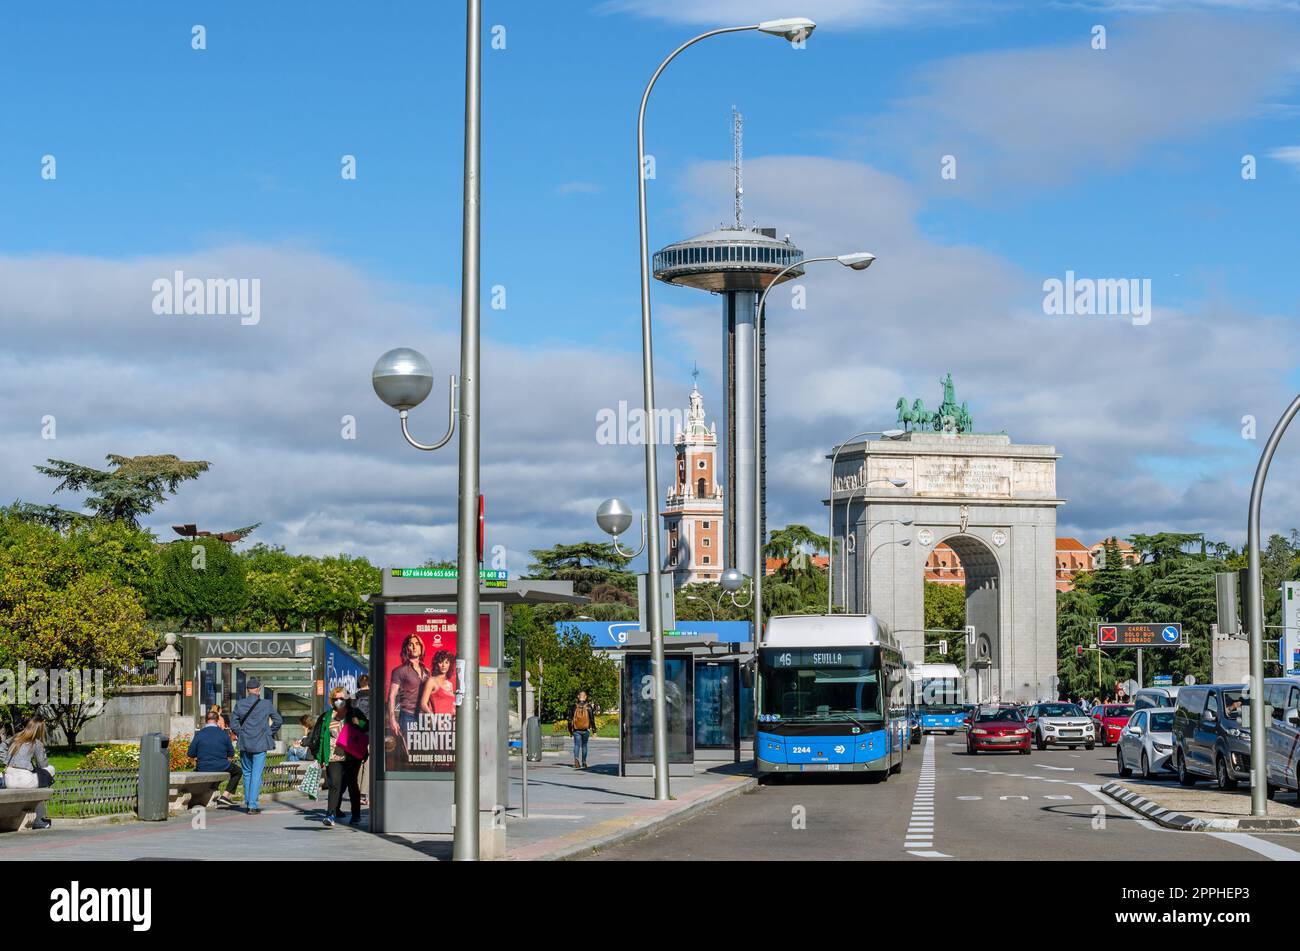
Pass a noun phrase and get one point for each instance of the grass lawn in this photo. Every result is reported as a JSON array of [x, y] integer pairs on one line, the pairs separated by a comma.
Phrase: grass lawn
[[63, 758]]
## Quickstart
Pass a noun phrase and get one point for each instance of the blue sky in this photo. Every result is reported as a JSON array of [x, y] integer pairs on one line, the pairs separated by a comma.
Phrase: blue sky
[[1123, 162]]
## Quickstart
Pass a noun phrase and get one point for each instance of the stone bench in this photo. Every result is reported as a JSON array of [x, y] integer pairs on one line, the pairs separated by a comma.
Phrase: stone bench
[[187, 790], [18, 807]]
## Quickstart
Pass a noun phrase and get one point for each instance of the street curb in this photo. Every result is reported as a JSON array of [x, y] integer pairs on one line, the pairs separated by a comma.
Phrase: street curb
[[1185, 823], [639, 829]]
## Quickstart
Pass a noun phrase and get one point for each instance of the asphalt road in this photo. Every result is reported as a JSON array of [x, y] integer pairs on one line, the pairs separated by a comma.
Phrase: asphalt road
[[946, 805]]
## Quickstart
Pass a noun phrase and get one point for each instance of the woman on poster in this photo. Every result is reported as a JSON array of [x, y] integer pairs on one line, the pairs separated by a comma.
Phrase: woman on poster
[[439, 695]]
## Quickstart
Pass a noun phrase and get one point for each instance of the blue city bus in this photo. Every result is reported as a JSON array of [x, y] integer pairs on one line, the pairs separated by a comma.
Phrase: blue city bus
[[937, 697], [830, 696]]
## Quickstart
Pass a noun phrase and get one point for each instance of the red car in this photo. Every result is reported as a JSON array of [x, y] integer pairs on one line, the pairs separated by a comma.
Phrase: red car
[[997, 728], [1109, 720]]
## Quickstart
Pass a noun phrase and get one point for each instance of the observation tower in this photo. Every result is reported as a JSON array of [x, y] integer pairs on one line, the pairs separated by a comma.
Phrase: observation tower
[[737, 263]]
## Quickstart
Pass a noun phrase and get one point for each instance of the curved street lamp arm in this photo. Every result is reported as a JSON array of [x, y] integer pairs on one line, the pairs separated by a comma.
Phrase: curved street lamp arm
[[830, 518], [1254, 584], [633, 554], [759, 560], [451, 422]]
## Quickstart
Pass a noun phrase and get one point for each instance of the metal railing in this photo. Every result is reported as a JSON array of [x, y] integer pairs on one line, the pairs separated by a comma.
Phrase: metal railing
[[82, 793]]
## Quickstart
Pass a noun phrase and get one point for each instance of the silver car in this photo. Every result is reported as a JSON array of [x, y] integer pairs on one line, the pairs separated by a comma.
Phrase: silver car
[[1060, 724], [1147, 743]]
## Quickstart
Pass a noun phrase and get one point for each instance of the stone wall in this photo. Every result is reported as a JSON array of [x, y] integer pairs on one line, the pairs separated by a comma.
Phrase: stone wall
[[131, 712]]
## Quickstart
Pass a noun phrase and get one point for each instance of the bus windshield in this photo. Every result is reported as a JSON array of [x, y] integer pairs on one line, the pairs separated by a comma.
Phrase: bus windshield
[[939, 695], [821, 684]]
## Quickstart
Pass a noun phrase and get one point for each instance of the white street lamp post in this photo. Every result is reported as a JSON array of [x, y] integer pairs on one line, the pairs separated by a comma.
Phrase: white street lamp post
[[795, 30]]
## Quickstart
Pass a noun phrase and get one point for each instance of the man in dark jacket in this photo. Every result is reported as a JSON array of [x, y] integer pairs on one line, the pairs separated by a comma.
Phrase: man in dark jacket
[[214, 753], [255, 722]]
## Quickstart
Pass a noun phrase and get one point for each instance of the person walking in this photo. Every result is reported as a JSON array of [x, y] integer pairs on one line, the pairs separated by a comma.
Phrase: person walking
[[582, 723], [362, 703], [213, 752], [256, 722], [27, 766], [340, 753]]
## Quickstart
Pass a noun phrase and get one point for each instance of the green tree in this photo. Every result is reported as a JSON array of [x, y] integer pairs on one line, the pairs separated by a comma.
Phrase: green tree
[[197, 581], [132, 488], [559, 664], [798, 585], [587, 564], [62, 610], [945, 610]]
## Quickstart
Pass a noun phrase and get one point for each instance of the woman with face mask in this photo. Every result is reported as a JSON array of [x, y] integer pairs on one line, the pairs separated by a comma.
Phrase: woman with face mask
[[337, 742]]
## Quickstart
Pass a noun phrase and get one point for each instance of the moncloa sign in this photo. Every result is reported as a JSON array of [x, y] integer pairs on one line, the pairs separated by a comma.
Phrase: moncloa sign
[[254, 647]]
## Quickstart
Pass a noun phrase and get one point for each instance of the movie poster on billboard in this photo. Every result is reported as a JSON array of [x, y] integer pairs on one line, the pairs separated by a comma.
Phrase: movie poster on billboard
[[422, 686]]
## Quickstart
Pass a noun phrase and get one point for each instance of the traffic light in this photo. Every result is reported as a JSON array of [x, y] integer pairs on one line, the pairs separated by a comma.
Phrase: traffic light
[[1078, 651]]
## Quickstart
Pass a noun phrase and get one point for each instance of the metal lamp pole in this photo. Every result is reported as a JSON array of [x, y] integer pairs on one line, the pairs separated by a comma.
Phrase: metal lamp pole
[[402, 378], [830, 518], [466, 847], [898, 541], [865, 565], [1254, 582], [794, 30], [858, 261], [848, 507]]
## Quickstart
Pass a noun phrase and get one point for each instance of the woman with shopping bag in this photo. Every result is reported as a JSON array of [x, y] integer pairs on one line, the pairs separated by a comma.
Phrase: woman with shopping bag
[[27, 766], [339, 742]]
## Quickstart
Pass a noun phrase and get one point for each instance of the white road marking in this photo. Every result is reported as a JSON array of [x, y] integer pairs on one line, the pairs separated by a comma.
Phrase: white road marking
[[1067, 769], [1270, 850], [919, 839]]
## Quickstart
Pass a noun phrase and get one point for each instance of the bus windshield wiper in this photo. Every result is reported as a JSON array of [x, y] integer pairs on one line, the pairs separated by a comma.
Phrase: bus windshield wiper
[[846, 713]]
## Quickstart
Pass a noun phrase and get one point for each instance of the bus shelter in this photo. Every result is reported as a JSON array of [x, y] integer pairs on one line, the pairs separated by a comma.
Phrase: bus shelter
[[416, 673], [710, 700]]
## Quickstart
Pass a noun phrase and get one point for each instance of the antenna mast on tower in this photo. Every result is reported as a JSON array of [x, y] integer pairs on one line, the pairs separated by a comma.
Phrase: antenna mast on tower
[[738, 153]]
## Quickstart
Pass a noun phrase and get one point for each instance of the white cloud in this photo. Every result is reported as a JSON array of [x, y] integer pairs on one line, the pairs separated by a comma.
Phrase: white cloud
[[1119, 401], [1049, 114]]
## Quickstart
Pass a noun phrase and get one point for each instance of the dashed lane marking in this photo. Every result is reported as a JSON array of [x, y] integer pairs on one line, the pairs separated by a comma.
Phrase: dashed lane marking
[[919, 840]]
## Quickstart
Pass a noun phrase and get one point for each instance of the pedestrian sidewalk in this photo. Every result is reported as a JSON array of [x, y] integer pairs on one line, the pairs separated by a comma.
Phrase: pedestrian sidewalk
[[570, 812]]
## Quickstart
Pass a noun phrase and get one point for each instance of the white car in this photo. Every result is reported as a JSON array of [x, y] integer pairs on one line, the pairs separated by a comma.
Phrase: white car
[[1060, 724], [1147, 743]]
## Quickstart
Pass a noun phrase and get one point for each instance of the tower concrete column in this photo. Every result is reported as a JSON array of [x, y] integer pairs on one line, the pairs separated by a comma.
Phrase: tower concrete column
[[740, 430]]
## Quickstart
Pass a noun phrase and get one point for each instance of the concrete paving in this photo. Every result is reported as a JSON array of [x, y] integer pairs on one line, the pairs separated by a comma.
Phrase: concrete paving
[[570, 812]]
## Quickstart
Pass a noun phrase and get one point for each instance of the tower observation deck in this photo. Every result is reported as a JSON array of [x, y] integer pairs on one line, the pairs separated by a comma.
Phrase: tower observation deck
[[739, 264]]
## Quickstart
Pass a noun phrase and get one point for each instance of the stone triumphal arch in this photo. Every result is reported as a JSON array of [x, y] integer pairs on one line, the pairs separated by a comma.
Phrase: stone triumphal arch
[[994, 504]]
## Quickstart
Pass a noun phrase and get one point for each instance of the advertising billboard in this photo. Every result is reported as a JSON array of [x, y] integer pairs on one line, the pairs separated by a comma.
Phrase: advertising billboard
[[422, 689], [342, 668]]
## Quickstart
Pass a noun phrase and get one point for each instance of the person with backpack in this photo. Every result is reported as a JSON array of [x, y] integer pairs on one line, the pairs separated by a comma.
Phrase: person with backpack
[[256, 721], [582, 723]]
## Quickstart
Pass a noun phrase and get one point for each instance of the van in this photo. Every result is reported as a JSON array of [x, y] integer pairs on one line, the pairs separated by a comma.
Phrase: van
[[1149, 697], [1282, 706], [1212, 735]]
